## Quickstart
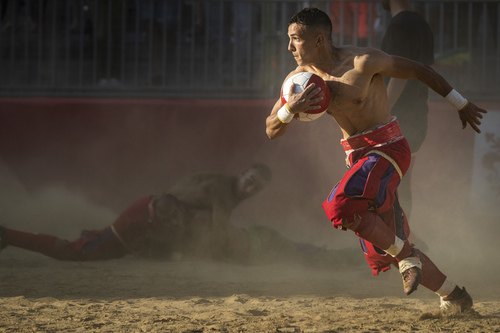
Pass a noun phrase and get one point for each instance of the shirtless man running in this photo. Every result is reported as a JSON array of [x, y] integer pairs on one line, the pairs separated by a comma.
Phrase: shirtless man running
[[365, 200]]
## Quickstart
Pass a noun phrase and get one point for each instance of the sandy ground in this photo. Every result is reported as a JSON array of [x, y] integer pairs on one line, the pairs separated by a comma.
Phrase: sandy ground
[[39, 294]]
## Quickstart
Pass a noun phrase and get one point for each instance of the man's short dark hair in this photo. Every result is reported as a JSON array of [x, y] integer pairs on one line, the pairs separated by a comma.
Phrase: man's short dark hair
[[313, 18]]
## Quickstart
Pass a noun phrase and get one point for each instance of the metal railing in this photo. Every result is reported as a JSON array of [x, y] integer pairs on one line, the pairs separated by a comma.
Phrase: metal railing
[[212, 49]]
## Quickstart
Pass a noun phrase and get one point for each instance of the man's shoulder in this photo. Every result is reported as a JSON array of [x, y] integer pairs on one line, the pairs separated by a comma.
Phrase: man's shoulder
[[356, 51], [361, 55]]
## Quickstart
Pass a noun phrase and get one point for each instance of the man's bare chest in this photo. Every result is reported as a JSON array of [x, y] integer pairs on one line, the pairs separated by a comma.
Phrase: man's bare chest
[[346, 94]]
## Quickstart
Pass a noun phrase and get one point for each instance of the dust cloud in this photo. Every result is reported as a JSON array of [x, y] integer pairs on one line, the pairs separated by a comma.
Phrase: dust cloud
[[53, 209]]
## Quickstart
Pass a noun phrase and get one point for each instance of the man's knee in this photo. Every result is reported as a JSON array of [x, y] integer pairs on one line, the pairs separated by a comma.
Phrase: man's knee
[[361, 221]]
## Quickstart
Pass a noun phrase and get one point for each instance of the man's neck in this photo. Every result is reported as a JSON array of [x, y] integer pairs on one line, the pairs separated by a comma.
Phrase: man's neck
[[326, 61]]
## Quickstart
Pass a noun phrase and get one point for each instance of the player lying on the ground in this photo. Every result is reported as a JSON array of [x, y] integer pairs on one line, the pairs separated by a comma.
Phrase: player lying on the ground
[[162, 226], [155, 225]]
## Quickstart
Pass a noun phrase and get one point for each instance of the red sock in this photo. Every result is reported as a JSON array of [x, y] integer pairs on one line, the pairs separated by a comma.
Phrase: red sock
[[432, 277]]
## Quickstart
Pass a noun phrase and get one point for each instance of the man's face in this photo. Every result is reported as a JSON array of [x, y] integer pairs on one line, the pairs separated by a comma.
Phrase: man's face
[[250, 183], [301, 43]]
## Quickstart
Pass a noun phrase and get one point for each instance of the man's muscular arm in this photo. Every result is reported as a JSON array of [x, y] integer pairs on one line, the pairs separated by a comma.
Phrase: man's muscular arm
[[274, 126], [402, 68]]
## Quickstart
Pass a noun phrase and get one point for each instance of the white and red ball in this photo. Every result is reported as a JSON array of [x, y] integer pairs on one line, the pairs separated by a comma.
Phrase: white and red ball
[[301, 81]]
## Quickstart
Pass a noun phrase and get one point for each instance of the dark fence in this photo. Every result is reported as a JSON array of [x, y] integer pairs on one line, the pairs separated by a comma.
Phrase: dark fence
[[219, 49]]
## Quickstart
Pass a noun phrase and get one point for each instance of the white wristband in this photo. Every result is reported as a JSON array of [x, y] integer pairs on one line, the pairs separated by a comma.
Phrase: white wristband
[[284, 114], [457, 100]]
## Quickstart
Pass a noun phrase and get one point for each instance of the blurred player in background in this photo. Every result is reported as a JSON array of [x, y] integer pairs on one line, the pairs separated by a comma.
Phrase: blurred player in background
[[365, 200], [408, 35], [198, 228]]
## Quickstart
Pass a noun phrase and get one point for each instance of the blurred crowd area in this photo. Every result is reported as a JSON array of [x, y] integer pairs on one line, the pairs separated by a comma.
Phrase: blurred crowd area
[[214, 49]]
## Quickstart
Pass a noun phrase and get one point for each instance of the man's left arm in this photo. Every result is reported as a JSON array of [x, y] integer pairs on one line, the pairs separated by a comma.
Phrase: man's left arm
[[402, 68], [397, 41]]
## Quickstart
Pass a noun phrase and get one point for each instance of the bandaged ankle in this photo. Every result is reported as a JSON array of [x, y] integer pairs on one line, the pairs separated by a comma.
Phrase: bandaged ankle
[[395, 248], [446, 288], [457, 100]]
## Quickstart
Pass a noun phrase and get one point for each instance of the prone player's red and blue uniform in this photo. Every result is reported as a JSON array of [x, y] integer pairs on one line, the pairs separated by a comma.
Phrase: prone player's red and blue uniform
[[377, 161], [114, 241]]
